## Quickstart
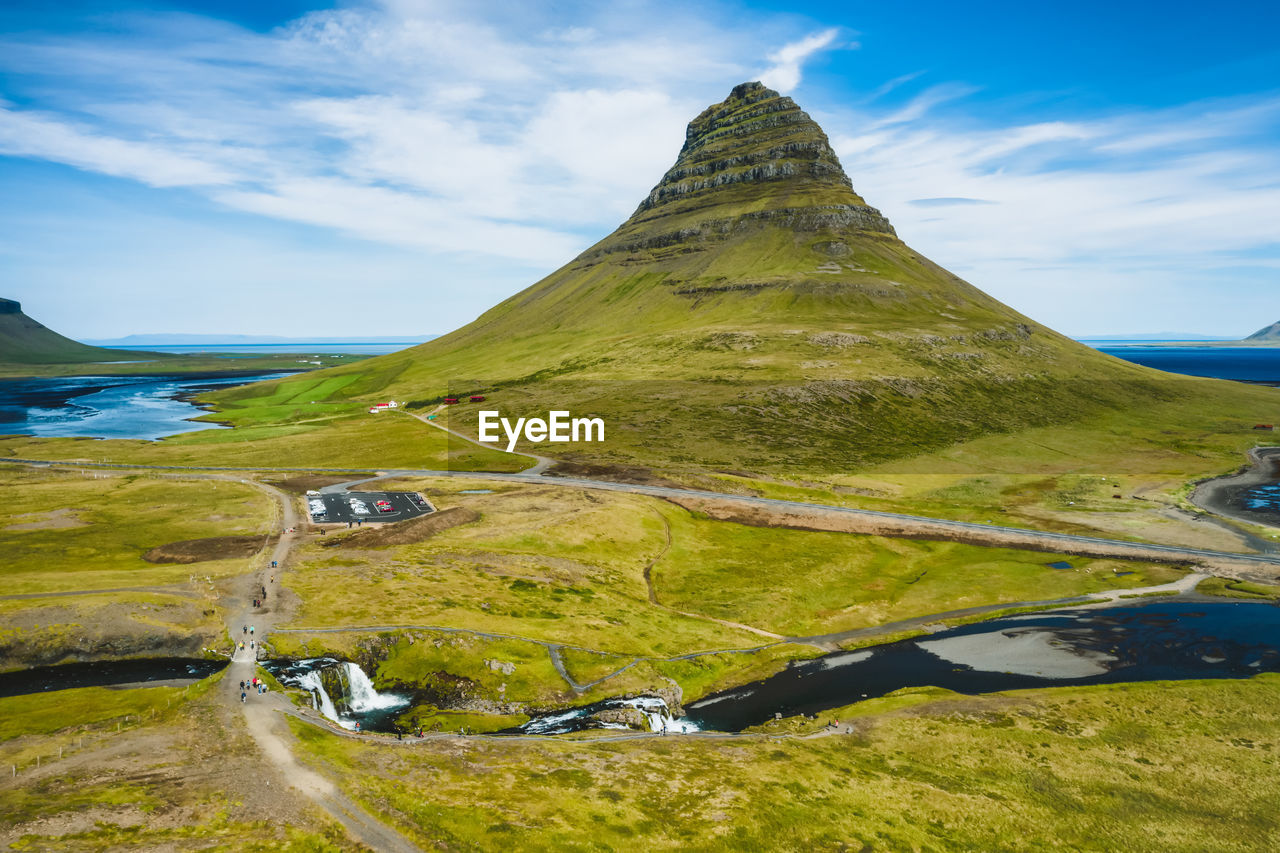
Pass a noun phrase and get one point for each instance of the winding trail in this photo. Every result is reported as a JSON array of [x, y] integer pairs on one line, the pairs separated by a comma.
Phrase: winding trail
[[653, 593], [1263, 567], [262, 712]]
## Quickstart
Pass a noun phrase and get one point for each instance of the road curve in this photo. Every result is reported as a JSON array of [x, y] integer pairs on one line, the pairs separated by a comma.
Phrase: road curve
[[971, 532]]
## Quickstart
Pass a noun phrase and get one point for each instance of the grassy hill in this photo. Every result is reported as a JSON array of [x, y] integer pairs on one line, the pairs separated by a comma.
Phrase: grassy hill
[[24, 341], [1270, 333], [755, 314]]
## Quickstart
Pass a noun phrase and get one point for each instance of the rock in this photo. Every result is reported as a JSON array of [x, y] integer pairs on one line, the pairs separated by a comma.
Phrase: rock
[[501, 666], [632, 718]]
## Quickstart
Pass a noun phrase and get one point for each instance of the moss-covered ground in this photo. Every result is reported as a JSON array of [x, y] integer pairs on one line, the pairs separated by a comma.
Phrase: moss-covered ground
[[555, 566], [1162, 766]]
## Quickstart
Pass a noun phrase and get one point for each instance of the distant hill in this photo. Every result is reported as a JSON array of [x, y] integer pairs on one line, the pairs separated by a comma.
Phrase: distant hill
[[756, 314], [1270, 333], [25, 341], [1155, 336], [186, 340]]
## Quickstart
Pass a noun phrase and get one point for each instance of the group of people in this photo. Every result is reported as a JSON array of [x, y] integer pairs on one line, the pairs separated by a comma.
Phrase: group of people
[[257, 685]]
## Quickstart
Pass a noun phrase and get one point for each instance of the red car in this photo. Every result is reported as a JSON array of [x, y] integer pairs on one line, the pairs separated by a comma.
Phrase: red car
[[383, 506]]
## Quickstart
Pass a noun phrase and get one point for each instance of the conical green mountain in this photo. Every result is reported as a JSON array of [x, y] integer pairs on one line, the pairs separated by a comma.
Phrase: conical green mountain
[[754, 313], [25, 341]]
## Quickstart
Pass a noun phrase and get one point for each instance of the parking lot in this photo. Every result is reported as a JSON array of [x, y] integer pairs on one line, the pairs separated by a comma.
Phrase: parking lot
[[366, 507]]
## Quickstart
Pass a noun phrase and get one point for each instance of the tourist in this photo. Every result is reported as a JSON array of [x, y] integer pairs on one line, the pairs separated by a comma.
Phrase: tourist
[[242, 696]]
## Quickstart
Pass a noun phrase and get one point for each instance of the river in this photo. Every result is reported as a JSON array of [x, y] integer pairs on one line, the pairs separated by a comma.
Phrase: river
[[1147, 640], [137, 406], [1154, 640]]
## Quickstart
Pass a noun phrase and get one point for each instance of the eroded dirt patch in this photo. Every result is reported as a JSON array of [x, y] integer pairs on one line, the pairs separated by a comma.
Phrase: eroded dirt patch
[[57, 519], [214, 548], [407, 532], [313, 482], [612, 473]]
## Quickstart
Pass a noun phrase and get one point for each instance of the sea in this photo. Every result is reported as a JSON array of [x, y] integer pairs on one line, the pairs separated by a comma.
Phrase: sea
[[1243, 364]]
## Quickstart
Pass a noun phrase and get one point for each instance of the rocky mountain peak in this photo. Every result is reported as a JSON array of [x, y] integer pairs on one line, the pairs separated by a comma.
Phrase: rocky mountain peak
[[757, 153]]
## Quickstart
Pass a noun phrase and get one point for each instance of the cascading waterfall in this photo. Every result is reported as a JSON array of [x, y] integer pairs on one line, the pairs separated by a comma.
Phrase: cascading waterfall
[[311, 681], [655, 711], [361, 695], [354, 698], [659, 716]]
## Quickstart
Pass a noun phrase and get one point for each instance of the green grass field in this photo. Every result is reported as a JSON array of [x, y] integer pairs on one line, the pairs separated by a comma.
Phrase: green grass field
[[1164, 766], [567, 567], [68, 531]]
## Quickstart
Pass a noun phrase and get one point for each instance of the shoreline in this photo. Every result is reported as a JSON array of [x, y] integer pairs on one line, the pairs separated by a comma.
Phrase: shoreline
[[1217, 495]]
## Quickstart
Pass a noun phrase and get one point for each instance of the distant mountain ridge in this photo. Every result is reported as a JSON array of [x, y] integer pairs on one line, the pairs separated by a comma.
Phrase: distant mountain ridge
[[177, 340], [25, 341], [1270, 333]]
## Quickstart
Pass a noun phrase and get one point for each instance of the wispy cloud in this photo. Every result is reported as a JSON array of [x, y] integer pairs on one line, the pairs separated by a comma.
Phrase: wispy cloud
[[504, 133], [412, 124], [1060, 217], [784, 73]]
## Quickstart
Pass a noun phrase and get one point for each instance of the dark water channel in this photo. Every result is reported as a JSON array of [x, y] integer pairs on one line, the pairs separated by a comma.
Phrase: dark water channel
[[1160, 640], [66, 676], [138, 406]]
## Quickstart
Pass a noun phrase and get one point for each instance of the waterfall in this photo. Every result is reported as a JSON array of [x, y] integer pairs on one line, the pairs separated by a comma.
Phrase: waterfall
[[361, 695], [353, 694], [659, 716], [311, 681]]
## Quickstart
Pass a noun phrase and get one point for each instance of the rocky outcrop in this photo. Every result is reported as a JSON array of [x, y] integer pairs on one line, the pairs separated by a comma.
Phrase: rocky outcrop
[[757, 137]]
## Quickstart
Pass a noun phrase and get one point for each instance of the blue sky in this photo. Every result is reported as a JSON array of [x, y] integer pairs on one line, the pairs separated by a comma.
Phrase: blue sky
[[398, 167]]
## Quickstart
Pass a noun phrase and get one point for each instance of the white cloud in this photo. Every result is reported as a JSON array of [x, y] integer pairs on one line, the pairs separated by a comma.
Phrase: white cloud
[[784, 73], [31, 134], [1075, 226], [505, 132]]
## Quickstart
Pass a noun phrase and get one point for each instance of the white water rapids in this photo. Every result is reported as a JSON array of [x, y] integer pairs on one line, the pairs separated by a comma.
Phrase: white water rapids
[[358, 694]]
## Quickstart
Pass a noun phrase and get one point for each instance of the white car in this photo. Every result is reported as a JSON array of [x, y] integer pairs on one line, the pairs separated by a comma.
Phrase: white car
[[359, 507]]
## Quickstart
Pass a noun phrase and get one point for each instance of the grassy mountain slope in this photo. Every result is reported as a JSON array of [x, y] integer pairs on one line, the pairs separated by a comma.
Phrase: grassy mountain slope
[[755, 314], [24, 341], [1270, 333]]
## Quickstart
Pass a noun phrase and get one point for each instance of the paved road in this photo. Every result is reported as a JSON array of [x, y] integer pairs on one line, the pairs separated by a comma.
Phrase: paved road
[[972, 532]]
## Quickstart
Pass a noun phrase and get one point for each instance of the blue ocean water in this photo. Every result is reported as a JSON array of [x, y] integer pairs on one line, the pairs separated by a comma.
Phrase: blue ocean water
[[1244, 364]]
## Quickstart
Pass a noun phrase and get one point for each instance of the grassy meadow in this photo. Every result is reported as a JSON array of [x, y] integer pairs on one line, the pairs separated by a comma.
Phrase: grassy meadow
[[1161, 766], [549, 565], [85, 534]]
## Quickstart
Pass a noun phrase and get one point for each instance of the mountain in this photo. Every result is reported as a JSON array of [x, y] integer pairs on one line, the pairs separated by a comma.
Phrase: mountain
[[1270, 333], [755, 313], [1154, 336], [221, 341], [24, 341]]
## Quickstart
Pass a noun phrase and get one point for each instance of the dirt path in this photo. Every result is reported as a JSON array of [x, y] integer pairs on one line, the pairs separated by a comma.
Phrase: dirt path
[[541, 463], [653, 594], [1260, 567], [248, 628]]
